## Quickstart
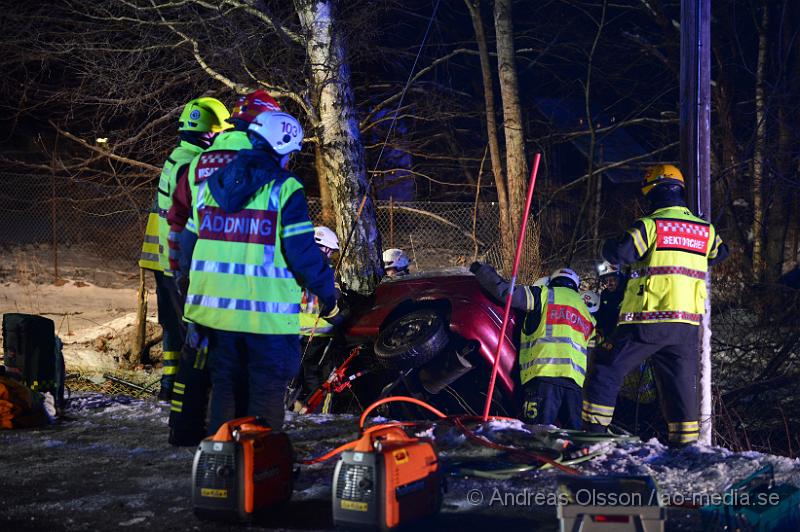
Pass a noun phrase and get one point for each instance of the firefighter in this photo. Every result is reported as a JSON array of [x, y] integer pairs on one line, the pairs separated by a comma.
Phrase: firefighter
[[395, 262], [190, 398], [553, 343], [669, 252], [317, 333], [225, 146], [255, 250], [200, 119], [613, 288]]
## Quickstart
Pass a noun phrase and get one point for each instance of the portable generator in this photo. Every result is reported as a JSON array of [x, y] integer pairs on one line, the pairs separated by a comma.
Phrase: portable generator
[[388, 479], [243, 468]]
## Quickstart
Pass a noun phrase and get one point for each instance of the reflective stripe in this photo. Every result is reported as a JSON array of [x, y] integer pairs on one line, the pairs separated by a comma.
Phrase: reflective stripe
[[297, 229], [684, 426], [556, 340], [668, 270], [153, 257], [190, 225], [658, 315], [598, 409], [638, 241], [551, 299], [251, 270], [243, 304], [151, 239], [564, 361]]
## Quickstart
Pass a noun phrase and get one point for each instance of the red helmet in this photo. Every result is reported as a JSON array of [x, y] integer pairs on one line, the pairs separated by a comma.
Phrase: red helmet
[[251, 105]]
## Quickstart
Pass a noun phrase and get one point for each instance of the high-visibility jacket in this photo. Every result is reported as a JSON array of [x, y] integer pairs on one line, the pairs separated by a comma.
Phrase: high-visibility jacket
[[178, 158], [558, 347], [217, 156], [149, 257], [668, 283], [309, 310], [239, 277]]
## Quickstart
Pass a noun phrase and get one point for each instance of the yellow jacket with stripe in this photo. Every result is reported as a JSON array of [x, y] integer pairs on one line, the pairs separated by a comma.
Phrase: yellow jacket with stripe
[[669, 252]]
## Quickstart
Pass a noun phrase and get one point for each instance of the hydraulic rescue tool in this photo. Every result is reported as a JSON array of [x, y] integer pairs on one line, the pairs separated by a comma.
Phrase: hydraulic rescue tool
[[243, 468]]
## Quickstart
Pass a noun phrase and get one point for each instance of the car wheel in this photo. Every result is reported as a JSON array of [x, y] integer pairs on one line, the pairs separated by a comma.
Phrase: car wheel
[[411, 340]]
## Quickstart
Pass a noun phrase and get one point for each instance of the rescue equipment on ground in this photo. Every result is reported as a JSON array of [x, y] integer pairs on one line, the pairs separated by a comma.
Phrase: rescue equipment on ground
[[337, 382], [755, 503], [612, 503], [243, 468], [388, 479], [32, 351]]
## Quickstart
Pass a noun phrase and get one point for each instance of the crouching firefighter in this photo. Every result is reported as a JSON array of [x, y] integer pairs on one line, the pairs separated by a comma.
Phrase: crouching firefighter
[[669, 252], [200, 119], [554, 343], [255, 251], [318, 334]]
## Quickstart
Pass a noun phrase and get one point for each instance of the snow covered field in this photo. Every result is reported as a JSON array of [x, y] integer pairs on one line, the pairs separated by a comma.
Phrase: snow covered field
[[108, 467]]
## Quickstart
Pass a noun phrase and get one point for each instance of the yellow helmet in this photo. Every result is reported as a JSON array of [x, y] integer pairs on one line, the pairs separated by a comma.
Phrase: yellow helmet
[[204, 115], [661, 174]]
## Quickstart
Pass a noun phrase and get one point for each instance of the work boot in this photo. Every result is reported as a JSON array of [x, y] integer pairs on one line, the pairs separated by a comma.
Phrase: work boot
[[165, 393], [594, 428], [185, 438]]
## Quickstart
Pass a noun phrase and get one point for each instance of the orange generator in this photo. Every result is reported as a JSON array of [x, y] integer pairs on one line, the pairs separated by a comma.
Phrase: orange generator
[[388, 479], [243, 468]]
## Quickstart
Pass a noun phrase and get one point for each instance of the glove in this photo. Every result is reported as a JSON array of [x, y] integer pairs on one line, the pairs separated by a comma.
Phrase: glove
[[328, 308], [475, 266], [196, 337]]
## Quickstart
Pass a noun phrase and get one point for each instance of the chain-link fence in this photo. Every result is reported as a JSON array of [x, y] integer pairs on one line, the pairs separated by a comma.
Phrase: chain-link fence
[[106, 218], [109, 219]]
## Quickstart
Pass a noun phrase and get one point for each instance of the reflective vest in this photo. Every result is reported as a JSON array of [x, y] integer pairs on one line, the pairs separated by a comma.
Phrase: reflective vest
[[668, 283], [309, 310], [149, 258], [180, 157], [559, 345], [217, 156], [239, 278]]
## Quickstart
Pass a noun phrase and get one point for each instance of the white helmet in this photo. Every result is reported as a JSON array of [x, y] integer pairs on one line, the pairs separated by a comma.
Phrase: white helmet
[[592, 300], [566, 273], [606, 268], [395, 258], [280, 130], [541, 281], [325, 237]]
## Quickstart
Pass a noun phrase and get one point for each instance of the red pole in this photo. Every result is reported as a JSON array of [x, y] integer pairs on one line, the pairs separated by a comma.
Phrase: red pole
[[507, 311]]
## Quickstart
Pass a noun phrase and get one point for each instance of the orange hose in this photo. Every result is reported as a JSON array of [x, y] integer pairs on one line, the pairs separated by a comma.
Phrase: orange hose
[[398, 398], [457, 420]]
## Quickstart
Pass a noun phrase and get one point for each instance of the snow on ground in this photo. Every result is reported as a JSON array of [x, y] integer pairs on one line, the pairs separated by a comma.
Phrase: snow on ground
[[107, 466]]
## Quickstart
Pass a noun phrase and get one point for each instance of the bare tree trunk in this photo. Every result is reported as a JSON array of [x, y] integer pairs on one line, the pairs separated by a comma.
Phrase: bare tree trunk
[[491, 133], [759, 149], [516, 164], [341, 158], [516, 161], [328, 214]]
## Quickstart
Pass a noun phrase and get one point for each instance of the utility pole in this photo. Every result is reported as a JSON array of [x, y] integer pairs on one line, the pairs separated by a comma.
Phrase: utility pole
[[695, 132]]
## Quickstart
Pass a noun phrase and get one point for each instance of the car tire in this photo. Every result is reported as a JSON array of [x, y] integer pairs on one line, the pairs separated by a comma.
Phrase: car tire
[[411, 340]]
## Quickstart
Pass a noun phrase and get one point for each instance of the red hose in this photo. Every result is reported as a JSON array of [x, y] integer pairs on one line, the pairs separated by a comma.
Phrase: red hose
[[507, 311]]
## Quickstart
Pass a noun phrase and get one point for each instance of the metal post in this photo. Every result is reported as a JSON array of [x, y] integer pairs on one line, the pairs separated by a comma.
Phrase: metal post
[[695, 125], [391, 221], [53, 212]]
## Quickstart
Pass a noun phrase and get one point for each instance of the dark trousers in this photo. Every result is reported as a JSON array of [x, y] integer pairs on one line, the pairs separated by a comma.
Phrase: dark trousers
[[267, 361], [553, 401], [673, 350], [169, 317], [187, 416], [315, 370]]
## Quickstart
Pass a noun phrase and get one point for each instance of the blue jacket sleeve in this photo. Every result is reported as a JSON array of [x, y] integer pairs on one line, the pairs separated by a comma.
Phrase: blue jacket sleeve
[[303, 257]]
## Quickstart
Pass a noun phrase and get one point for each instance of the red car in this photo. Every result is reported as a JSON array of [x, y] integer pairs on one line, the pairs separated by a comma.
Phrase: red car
[[434, 335]]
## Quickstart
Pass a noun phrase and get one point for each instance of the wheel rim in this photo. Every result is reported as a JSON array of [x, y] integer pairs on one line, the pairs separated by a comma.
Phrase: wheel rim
[[408, 328]]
